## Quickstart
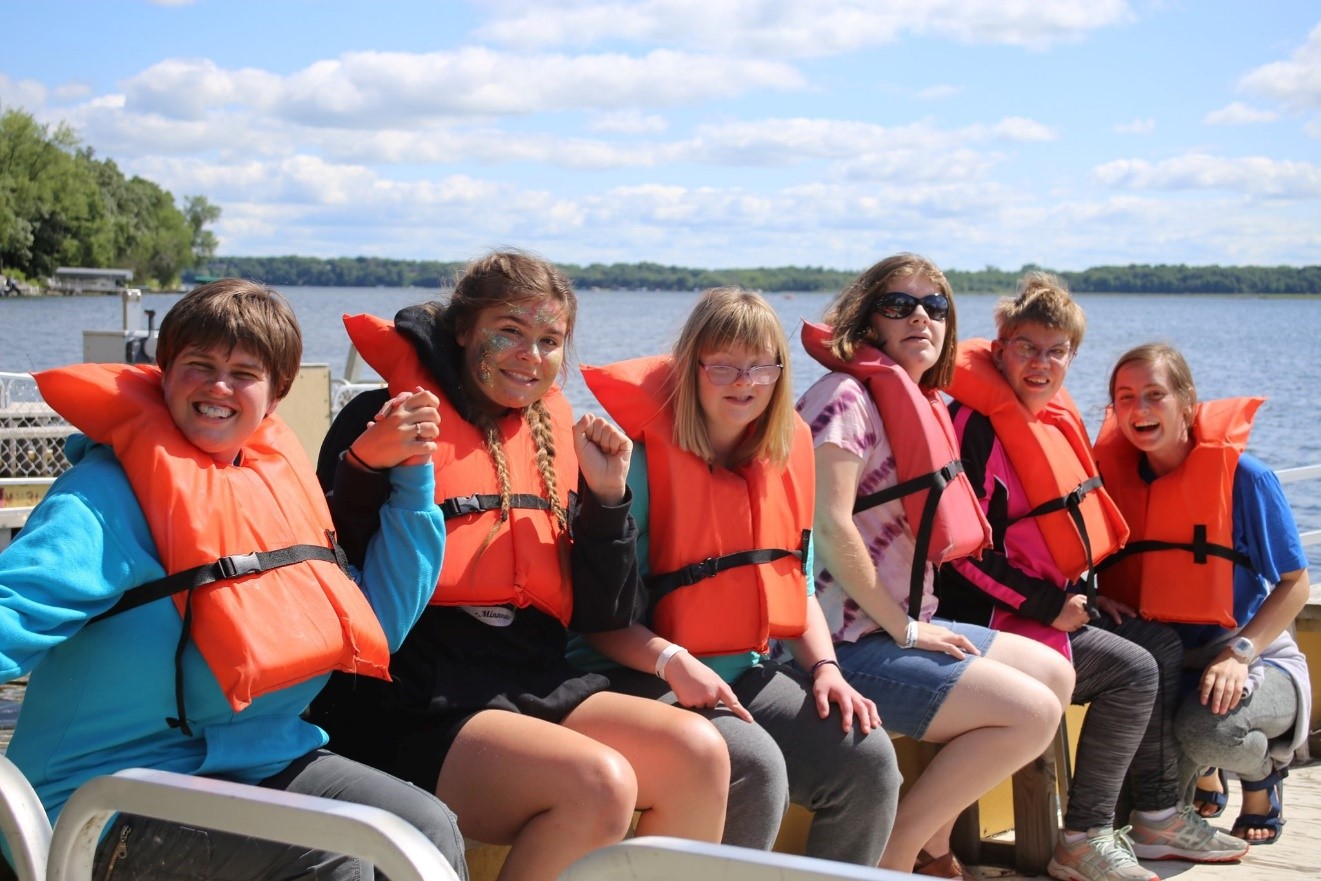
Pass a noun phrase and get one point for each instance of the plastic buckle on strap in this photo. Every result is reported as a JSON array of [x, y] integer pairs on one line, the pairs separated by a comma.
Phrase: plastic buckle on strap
[[239, 564], [695, 572], [461, 505]]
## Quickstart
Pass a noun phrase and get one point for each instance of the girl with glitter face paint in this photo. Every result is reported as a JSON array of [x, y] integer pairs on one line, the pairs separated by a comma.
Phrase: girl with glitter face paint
[[483, 706]]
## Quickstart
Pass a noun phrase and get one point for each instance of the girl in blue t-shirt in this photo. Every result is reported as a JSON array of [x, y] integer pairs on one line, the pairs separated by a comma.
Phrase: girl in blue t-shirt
[[1248, 708]]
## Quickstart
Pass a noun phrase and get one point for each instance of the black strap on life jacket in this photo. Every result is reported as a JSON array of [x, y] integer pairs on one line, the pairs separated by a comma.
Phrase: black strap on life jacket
[[458, 506], [1199, 547], [189, 580], [1072, 503], [935, 481], [667, 583]]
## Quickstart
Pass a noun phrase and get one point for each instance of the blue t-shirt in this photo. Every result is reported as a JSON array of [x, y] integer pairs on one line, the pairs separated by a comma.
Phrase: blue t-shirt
[[727, 667]]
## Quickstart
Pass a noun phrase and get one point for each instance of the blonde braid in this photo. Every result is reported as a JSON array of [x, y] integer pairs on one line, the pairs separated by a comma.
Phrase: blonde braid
[[539, 420], [497, 452]]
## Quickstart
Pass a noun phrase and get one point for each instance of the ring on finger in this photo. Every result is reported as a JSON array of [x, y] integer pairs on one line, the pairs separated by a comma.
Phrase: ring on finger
[[418, 430]]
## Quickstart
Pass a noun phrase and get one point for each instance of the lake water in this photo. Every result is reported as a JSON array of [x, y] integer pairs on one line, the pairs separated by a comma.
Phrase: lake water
[[1236, 346]]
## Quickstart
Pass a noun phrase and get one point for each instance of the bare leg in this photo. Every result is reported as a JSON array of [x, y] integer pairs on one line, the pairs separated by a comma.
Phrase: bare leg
[[679, 758], [994, 721], [549, 792]]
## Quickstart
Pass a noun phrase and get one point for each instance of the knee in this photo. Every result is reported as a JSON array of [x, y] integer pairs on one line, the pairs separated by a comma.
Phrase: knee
[[1059, 676], [605, 795], [757, 771], [700, 748], [872, 765], [1198, 731], [1037, 709]]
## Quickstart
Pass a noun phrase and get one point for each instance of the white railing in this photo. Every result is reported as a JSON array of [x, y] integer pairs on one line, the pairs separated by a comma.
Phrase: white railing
[[370, 834]]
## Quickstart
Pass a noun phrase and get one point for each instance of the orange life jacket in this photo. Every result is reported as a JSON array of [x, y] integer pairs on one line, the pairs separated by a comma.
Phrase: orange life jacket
[[1079, 521], [940, 503], [1180, 564], [728, 546], [259, 629], [522, 564]]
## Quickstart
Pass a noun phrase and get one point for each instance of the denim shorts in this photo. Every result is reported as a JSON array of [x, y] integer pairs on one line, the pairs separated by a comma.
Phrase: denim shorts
[[908, 685]]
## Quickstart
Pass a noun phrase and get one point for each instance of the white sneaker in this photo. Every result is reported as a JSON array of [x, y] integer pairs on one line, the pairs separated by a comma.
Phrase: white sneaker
[[1103, 855], [1185, 836]]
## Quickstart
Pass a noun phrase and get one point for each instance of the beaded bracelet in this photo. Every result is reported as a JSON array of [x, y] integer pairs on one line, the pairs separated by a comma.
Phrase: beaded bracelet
[[821, 663]]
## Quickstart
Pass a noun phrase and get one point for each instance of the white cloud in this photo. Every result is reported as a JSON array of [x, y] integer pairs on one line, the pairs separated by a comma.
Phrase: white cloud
[[1238, 113], [371, 89], [1136, 127], [628, 122], [1249, 175], [804, 28], [25, 94], [1295, 83]]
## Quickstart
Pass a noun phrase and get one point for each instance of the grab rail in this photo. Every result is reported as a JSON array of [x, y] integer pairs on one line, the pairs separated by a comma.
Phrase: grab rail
[[377, 836]]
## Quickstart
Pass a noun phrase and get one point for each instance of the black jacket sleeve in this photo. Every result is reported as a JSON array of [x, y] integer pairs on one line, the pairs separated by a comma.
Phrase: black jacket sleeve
[[355, 496], [608, 593]]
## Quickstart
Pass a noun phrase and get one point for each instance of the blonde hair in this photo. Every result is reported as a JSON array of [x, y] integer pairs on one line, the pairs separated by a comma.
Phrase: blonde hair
[[497, 279], [725, 318], [849, 315], [1176, 368], [1042, 299]]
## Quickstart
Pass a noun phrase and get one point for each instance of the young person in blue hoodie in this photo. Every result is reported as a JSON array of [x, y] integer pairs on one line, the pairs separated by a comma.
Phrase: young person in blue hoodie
[[183, 470]]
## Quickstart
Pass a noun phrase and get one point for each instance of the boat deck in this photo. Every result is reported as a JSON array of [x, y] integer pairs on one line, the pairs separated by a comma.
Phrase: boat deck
[[1297, 855]]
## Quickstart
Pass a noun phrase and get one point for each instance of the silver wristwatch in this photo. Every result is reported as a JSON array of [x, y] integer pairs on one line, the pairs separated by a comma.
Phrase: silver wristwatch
[[1242, 649]]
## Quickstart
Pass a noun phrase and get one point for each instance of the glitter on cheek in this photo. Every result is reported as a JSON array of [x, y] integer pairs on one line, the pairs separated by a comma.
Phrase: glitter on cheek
[[488, 352]]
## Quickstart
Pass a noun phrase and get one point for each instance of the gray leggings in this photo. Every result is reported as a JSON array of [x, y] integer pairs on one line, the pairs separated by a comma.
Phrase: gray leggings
[[1120, 680], [1154, 773], [850, 781], [1238, 740], [157, 850]]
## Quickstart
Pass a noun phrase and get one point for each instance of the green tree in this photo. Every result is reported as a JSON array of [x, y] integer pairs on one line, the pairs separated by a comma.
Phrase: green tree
[[200, 213], [48, 197]]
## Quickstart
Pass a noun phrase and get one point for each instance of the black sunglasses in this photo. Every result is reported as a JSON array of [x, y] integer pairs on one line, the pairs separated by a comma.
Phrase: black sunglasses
[[897, 304]]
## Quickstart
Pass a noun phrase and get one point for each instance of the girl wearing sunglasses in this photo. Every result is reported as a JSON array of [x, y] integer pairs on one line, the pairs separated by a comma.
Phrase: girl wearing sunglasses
[[892, 504], [721, 478]]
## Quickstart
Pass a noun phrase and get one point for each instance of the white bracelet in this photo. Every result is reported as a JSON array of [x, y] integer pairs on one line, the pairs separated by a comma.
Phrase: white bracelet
[[910, 635], [663, 659]]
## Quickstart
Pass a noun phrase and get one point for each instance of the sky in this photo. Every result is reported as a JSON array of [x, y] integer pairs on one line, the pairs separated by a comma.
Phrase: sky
[[705, 133]]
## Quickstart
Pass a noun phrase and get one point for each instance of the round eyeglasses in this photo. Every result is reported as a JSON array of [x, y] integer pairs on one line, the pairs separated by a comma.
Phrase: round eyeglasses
[[725, 374], [1030, 351]]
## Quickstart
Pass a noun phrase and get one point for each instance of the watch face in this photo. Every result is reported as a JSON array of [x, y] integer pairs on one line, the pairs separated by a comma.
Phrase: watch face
[[1242, 648]]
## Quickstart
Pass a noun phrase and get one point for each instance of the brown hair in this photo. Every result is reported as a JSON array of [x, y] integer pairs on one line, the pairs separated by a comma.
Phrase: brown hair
[[234, 312], [498, 279], [1176, 367], [731, 317], [849, 316], [1042, 299]]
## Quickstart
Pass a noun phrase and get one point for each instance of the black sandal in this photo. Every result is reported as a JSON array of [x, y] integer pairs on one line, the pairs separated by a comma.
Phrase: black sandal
[[1218, 800], [1274, 783]]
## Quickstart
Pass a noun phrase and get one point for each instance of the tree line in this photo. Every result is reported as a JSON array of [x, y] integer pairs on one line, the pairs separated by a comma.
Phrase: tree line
[[431, 274], [61, 206]]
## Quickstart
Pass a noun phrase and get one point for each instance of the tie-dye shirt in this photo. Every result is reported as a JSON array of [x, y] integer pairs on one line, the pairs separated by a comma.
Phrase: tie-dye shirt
[[841, 412]]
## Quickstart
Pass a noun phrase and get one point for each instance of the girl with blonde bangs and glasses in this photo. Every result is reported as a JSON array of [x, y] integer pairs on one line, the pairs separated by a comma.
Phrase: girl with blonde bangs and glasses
[[483, 706], [722, 476], [884, 447]]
